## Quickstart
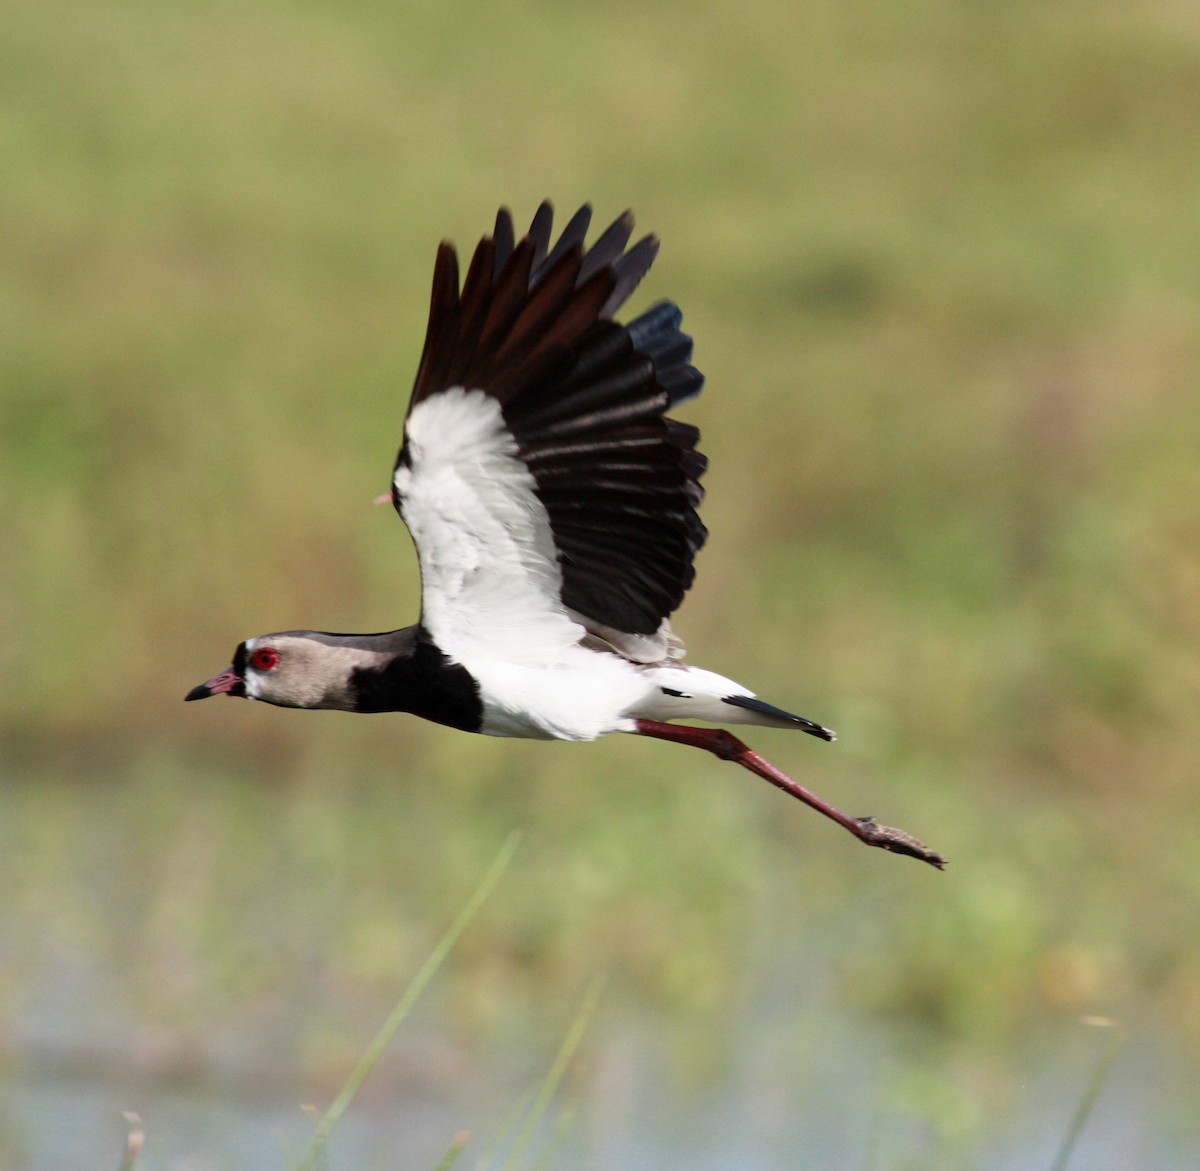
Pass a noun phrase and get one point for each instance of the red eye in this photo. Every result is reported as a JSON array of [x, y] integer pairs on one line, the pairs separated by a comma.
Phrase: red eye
[[266, 658]]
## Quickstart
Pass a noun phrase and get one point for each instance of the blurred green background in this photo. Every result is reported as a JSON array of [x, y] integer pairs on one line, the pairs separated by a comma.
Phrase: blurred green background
[[940, 262]]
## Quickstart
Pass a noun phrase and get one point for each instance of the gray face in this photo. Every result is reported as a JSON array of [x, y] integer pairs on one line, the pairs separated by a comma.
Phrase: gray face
[[294, 669]]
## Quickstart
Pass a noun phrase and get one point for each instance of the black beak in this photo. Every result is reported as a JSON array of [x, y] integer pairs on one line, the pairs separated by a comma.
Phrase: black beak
[[228, 682]]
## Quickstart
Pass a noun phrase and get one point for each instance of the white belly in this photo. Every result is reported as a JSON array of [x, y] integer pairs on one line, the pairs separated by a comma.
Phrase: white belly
[[587, 694], [583, 696]]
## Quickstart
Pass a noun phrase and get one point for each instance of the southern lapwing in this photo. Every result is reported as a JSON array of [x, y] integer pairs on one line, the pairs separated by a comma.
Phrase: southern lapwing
[[553, 507]]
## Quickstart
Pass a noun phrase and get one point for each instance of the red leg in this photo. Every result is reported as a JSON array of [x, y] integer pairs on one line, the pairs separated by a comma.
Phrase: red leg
[[729, 747]]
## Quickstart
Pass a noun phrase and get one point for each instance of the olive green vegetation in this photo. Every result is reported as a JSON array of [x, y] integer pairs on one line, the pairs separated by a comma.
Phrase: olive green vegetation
[[940, 262]]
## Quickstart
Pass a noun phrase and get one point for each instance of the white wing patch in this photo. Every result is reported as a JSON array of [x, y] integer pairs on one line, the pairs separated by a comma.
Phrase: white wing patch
[[490, 581]]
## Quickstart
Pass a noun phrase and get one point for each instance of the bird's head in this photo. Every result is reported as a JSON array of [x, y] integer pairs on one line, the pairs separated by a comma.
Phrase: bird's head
[[291, 669]]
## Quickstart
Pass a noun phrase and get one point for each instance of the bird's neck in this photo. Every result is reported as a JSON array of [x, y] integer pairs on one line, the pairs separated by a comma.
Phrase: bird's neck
[[418, 678]]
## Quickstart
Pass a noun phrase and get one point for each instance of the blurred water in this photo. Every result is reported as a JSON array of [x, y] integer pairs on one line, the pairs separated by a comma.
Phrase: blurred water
[[219, 1037], [836, 1110]]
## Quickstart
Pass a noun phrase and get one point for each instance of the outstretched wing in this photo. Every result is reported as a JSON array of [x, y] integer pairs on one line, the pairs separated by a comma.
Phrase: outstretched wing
[[541, 480]]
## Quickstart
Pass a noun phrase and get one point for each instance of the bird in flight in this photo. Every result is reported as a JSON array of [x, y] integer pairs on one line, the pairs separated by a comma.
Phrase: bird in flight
[[553, 503]]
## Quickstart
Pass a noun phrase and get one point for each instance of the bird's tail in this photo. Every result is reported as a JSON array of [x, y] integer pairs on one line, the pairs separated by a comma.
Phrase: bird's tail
[[690, 693], [775, 717]]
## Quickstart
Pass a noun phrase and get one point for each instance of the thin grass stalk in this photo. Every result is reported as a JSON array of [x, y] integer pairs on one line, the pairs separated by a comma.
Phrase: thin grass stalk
[[1095, 1085], [457, 1143], [555, 1074], [516, 1112], [562, 1124], [405, 1004]]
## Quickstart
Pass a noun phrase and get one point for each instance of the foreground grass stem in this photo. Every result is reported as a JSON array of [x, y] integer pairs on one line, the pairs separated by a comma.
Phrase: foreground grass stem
[[381, 1040], [1088, 1102]]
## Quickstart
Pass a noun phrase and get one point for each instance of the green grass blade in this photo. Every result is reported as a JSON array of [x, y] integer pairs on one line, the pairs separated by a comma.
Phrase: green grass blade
[[455, 1149], [505, 1129], [405, 1004], [562, 1124], [1095, 1085], [555, 1074]]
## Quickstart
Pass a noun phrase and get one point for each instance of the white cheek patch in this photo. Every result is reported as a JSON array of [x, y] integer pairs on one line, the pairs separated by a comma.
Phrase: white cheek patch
[[251, 682]]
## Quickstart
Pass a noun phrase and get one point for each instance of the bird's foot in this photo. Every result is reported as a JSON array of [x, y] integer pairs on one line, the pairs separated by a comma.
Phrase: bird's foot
[[897, 841]]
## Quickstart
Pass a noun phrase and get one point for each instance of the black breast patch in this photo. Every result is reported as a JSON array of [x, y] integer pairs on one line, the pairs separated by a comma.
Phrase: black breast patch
[[425, 683]]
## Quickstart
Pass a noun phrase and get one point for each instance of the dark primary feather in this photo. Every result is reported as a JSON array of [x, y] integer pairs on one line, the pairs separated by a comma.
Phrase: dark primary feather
[[586, 399]]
